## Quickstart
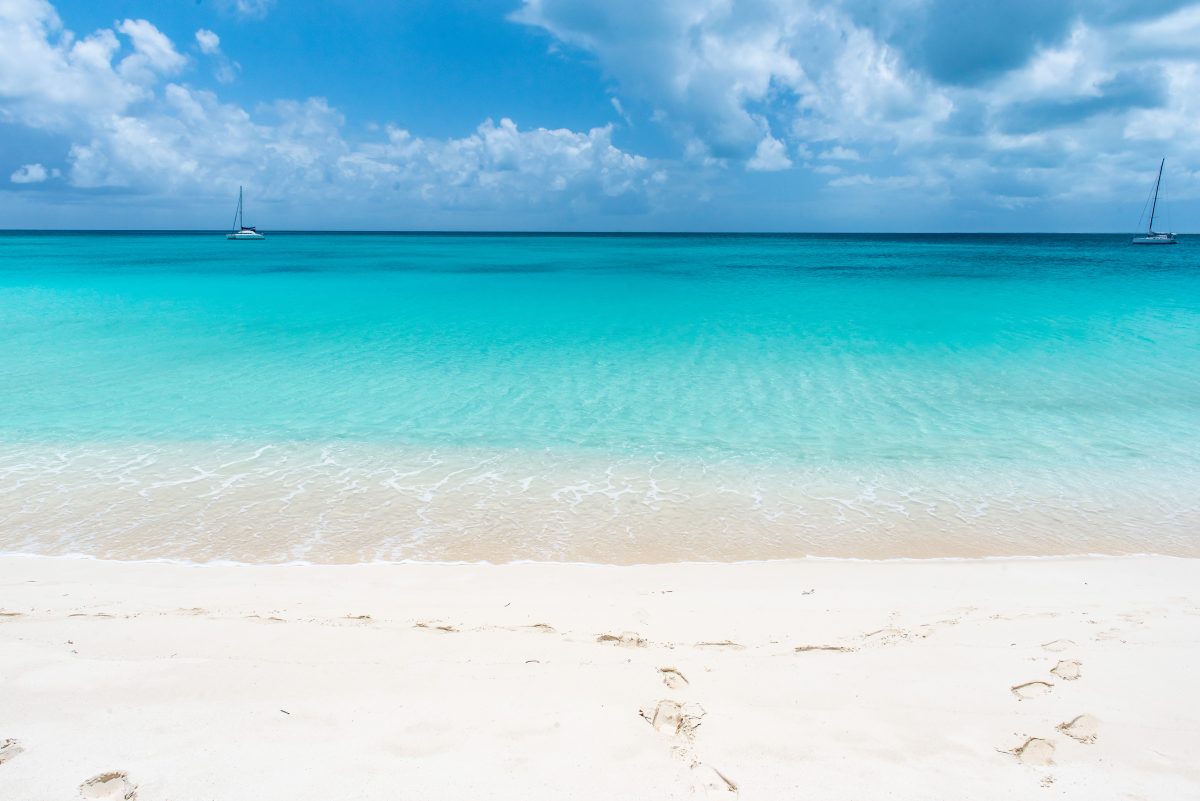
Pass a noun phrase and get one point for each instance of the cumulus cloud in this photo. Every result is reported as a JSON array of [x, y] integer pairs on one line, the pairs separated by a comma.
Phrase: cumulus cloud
[[247, 9], [839, 153], [966, 43], [499, 158], [738, 76], [134, 128], [770, 155], [1007, 99], [701, 63], [153, 53], [225, 70], [32, 174], [51, 79], [209, 42], [298, 149]]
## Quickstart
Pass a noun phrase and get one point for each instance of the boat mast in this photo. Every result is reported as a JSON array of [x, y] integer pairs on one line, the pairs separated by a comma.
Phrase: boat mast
[[1156, 185], [237, 215], [242, 223]]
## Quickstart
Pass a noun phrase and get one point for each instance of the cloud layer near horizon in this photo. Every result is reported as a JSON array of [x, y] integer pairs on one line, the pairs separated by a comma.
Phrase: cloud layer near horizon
[[1010, 105], [132, 126]]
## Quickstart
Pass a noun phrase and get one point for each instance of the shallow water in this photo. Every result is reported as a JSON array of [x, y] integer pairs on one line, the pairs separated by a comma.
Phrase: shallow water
[[605, 398]]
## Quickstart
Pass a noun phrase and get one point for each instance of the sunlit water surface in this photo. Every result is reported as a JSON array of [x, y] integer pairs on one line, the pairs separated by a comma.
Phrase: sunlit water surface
[[606, 398]]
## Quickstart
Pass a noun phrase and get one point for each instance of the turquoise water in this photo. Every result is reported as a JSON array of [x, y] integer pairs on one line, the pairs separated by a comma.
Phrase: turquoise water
[[181, 395]]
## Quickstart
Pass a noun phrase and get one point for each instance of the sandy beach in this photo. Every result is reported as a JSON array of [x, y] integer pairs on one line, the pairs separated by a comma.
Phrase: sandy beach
[[824, 679]]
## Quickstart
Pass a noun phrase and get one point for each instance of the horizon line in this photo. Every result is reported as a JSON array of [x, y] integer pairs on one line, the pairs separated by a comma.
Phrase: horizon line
[[581, 232]]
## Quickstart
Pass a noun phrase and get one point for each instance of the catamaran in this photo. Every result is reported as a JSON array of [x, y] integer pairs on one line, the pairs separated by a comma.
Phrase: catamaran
[[240, 229], [1152, 237]]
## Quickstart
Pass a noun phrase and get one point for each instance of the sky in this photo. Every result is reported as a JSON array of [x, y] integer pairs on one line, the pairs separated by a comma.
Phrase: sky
[[599, 115]]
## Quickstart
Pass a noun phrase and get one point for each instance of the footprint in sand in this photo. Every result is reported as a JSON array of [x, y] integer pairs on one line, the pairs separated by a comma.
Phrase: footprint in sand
[[1031, 689], [1067, 669], [673, 678], [711, 783], [837, 649], [626, 639], [1058, 645], [1034, 751], [111, 786], [888, 635], [436, 627], [9, 749], [672, 717], [1083, 728], [925, 629], [723, 645]]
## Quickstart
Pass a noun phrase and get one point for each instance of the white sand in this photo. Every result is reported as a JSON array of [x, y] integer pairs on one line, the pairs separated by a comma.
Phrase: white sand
[[794, 680]]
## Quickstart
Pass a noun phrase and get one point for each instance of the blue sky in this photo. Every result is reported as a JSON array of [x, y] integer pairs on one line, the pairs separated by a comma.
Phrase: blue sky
[[805, 115]]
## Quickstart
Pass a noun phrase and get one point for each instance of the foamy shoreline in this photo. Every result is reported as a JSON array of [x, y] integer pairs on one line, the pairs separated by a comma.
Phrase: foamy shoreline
[[350, 503], [831, 679]]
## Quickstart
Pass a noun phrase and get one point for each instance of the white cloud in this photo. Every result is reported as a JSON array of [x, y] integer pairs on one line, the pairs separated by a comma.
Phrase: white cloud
[[498, 159], [209, 42], [51, 79], [132, 129], [771, 155], [247, 9], [839, 153], [701, 75], [620, 109], [225, 70], [737, 76], [888, 182], [991, 104], [153, 53], [32, 174]]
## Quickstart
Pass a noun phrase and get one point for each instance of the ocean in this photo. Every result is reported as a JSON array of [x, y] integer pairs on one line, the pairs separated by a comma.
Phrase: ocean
[[600, 398]]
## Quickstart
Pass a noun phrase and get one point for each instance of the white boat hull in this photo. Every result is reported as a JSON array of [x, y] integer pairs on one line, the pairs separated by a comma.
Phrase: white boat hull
[[245, 235], [1155, 239]]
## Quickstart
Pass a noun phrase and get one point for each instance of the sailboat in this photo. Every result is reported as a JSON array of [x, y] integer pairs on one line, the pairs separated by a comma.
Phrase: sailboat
[[1152, 237], [240, 229]]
